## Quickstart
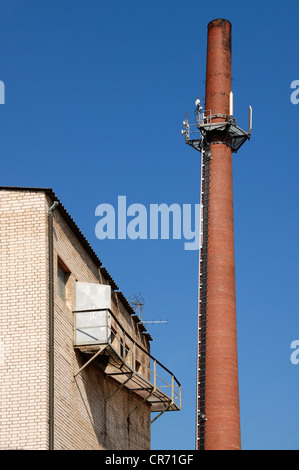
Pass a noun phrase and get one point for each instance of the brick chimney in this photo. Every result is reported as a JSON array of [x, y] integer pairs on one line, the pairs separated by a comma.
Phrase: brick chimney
[[219, 425], [216, 135]]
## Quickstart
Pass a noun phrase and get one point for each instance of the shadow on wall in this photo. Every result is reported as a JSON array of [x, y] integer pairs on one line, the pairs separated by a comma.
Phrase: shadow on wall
[[108, 412]]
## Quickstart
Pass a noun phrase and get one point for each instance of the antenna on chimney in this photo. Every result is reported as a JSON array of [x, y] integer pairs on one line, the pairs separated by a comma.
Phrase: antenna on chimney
[[231, 104], [250, 120]]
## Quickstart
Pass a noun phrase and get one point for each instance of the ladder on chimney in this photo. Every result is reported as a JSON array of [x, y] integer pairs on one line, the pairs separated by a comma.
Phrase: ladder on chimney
[[202, 300]]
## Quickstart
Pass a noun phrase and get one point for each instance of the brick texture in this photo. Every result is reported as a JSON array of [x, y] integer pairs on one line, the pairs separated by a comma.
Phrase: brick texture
[[222, 428], [23, 321], [83, 419]]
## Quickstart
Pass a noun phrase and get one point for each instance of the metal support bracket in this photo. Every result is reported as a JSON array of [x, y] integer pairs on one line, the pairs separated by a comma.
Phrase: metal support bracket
[[90, 360], [160, 414], [120, 386], [140, 403]]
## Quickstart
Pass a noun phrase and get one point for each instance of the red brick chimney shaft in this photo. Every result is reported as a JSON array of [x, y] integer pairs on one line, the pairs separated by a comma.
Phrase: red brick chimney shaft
[[222, 425]]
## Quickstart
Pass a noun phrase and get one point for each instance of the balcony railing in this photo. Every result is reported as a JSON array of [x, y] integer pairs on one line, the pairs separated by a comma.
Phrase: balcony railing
[[100, 334]]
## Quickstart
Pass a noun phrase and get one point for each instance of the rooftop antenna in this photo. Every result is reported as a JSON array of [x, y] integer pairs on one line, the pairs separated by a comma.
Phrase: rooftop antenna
[[137, 303]]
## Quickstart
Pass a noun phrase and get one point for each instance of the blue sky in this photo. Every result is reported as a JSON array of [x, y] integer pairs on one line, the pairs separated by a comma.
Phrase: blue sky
[[96, 93]]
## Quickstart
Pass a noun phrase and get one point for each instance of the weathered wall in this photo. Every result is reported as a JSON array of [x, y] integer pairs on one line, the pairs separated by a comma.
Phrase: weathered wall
[[23, 321], [83, 420]]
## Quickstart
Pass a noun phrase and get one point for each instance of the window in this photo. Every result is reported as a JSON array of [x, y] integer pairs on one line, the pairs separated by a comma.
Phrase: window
[[62, 278], [113, 334], [122, 352], [137, 366]]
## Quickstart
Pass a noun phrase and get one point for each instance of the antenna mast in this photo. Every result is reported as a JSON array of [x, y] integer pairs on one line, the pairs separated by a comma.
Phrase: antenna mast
[[138, 304]]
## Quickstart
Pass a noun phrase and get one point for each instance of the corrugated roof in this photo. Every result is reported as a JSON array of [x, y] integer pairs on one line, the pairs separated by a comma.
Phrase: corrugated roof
[[109, 278], [68, 219], [84, 242]]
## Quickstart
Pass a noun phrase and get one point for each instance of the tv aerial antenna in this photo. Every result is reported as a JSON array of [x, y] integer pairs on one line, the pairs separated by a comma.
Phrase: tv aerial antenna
[[137, 303]]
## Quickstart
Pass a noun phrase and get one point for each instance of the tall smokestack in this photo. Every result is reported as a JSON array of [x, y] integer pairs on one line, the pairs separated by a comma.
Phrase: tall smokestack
[[222, 425], [218, 416]]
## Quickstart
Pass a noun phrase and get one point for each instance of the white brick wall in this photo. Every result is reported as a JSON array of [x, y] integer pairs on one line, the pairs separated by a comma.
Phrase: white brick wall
[[23, 321], [82, 418]]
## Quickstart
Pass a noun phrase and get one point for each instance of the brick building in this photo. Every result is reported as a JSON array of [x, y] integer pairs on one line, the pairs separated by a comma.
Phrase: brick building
[[76, 371]]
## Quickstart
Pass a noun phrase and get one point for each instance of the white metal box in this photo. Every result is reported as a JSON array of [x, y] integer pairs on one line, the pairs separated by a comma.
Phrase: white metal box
[[92, 316]]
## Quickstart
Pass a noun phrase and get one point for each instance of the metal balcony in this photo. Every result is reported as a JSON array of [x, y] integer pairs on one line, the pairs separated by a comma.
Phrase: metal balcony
[[102, 339]]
